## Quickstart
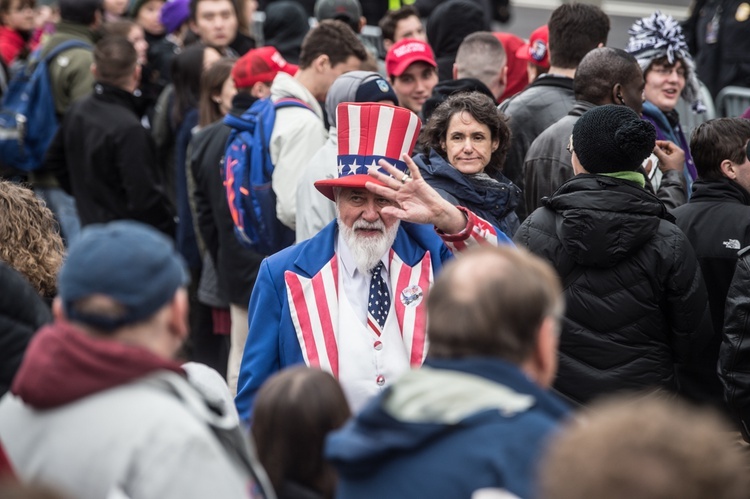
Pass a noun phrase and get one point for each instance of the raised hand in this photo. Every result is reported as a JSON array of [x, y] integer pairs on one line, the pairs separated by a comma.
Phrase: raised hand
[[414, 200]]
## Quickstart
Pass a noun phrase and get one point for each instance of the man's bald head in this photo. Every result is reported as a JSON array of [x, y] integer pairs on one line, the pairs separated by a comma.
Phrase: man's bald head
[[491, 302]]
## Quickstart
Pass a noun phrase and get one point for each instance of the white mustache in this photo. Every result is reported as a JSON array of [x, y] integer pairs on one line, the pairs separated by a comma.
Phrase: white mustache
[[363, 224]]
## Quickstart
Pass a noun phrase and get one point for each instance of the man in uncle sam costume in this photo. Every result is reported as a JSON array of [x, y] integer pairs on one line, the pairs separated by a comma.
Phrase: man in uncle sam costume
[[351, 300]]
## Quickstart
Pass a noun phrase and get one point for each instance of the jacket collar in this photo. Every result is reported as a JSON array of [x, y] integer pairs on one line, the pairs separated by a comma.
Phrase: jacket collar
[[725, 190], [580, 107], [77, 30], [115, 95]]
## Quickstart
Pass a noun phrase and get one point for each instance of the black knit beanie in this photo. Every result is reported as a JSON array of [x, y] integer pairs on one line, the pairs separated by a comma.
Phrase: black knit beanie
[[611, 138]]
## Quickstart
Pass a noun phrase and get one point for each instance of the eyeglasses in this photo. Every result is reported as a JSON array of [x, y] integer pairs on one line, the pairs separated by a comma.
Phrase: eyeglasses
[[668, 70], [569, 147]]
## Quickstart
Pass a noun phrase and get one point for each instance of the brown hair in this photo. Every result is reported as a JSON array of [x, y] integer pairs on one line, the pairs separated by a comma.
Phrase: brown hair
[[293, 412], [31, 238], [482, 109], [491, 302], [649, 447], [212, 80], [334, 39], [716, 140], [115, 59], [391, 19], [574, 30]]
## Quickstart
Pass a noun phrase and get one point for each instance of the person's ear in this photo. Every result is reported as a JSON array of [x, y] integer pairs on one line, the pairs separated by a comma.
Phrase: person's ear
[[545, 351], [728, 169], [455, 71], [616, 94], [321, 63], [58, 311], [362, 23], [92, 68], [260, 90], [387, 44], [178, 316], [495, 144]]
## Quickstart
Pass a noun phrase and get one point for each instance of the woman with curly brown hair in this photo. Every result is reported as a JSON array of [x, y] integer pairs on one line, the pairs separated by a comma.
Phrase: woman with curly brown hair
[[30, 239], [465, 143]]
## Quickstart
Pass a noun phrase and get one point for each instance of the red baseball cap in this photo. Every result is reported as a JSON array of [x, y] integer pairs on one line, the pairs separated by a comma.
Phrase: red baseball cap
[[537, 50], [260, 65], [405, 53]]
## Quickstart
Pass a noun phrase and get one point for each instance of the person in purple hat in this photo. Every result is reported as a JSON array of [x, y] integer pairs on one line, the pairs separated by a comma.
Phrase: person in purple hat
[[351, 300]]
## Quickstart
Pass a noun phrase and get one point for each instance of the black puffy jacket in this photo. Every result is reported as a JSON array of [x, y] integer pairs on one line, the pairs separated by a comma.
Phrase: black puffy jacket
[[636, 307], [734, 356], [22, 312]]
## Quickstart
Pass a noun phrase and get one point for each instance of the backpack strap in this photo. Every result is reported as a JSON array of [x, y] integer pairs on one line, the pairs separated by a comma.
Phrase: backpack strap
[[291, 102], [66, 45]]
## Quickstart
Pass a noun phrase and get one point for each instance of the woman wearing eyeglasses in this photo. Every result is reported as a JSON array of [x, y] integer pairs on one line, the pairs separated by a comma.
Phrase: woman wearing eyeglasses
[[657, 42]]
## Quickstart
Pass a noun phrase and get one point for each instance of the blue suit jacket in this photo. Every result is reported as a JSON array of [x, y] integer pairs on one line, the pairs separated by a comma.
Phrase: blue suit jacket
[[272, 342]]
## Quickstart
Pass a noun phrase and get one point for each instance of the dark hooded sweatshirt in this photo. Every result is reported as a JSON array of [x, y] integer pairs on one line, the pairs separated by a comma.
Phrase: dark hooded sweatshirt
[[636, 306]]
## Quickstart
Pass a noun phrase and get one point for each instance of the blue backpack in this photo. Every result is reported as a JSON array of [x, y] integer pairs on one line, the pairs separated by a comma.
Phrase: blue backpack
[[247, 171], [28, 120]]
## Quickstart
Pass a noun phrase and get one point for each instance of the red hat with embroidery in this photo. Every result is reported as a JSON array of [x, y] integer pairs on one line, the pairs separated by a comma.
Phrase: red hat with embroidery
[[262, 65], [367, 133], [405, 53], [537, 50]]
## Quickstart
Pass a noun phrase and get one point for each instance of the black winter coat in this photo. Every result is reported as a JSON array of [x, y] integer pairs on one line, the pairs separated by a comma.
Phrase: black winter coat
[[636, 305], [236, 266], [717, 223], [104, 158], [734, 357], [22, 313]]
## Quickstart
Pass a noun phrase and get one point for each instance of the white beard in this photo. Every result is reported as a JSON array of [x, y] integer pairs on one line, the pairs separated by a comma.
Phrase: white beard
[[368, 250]]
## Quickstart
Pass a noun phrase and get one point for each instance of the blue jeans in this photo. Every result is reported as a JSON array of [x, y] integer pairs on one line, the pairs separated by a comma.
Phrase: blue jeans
[[63, 206]]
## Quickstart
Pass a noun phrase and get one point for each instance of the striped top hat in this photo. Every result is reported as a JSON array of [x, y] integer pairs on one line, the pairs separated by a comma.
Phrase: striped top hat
[[367, 133]]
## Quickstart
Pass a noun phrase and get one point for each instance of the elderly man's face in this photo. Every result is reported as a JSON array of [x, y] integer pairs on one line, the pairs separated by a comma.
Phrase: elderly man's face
[[367, 231]]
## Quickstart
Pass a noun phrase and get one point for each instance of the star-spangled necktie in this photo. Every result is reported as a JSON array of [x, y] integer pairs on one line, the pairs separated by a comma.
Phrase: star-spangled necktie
[[379, 301]]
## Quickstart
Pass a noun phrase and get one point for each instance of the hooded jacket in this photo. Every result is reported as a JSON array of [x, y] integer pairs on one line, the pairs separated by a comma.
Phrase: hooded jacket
[[491, 199], [427, 435], [118, 421], [636, 304]]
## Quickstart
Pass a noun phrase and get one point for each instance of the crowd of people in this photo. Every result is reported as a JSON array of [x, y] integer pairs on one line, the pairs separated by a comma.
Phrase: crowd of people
[[295, 264]]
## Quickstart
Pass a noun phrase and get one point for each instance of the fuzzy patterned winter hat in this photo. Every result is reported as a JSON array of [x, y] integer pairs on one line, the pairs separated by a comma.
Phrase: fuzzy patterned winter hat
[[659, 35]]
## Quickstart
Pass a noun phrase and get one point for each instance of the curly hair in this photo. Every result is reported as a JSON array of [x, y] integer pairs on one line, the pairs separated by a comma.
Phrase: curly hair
[[483, 110], [30, 236]]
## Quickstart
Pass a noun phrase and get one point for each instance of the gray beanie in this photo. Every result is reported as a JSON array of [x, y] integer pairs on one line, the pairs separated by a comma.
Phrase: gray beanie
[[358, 86], [609, 139]]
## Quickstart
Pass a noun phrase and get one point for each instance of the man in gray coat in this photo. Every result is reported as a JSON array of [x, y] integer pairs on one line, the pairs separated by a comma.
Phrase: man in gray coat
[[100, 408]]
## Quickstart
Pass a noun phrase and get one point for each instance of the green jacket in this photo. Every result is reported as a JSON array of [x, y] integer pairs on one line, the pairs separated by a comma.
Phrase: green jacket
[[70, 72]]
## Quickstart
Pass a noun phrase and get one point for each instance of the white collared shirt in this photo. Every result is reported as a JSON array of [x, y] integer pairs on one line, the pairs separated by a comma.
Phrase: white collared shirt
[[356, 285]]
